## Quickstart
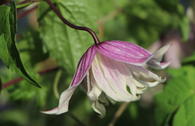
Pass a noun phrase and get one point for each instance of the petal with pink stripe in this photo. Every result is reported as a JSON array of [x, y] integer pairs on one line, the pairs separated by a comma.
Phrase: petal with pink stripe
[[111, 77], [124, 52], [83, 66]]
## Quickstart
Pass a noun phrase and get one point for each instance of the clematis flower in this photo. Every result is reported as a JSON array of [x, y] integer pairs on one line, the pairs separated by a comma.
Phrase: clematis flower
[[116, 71]]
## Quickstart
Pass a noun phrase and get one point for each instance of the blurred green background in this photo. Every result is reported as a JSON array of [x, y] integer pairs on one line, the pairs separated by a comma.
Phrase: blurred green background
[[50, 51]]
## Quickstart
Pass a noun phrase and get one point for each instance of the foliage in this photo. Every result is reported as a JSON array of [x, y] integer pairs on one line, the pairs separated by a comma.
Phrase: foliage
[[65, 44], [175, 103], [145, 26], [9, 53]]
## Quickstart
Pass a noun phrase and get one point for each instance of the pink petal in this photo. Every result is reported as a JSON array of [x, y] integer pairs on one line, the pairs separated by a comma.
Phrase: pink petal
[[83, 66], [124, 52]]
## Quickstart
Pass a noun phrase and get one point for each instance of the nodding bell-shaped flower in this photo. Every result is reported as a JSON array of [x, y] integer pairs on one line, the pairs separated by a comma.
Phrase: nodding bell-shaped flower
[[116, 71]]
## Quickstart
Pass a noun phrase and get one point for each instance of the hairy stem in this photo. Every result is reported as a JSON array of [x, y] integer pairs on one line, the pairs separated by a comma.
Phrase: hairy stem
[[58, 13]]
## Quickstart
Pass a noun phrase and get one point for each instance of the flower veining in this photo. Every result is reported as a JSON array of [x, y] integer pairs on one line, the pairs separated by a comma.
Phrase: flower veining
[[116, 71]]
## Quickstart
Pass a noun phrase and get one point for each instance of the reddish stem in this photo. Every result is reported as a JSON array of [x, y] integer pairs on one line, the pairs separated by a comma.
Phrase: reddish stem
[[58, 13], [16, 80], [11, 82]]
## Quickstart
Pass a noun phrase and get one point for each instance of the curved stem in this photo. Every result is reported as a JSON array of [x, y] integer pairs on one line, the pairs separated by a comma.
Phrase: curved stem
[[58, 13], [56, 82]]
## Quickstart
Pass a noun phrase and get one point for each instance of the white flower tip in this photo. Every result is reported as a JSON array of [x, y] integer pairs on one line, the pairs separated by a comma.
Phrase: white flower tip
[[153, 84], [159, 65], [164, 49], [158, 55], [52, 111], [163, 80], [63, 102], [165, 64], [99, 108]]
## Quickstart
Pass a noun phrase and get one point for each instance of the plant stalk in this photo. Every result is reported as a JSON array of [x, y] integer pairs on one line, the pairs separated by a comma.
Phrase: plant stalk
[[58, 13]]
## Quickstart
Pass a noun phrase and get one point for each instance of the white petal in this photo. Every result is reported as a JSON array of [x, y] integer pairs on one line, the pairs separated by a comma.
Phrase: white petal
[[154, 83], [158, 55], [111, 77], [151, 84], [99, 108], [93, 91], [63, 103], [142, 73], [105, 100], [146, 77], [135, 86], [155, 62], [158, 65]]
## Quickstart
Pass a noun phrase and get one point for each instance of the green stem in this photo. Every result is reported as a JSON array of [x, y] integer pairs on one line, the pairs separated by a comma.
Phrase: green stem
[[56, 82]]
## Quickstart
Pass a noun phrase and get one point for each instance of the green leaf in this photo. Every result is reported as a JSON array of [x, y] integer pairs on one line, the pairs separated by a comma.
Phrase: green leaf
[[23, 92], [8, 52], [65, 44], [186, 113], [179, 90], [31, 49], [145, 26]]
